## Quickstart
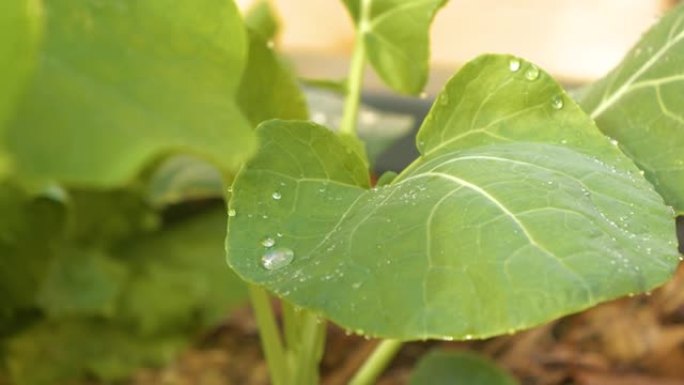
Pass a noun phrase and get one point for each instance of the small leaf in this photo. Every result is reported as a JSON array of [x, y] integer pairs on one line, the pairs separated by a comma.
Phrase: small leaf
[[639, 104], [396, 37], [458, 368], [123, 83], [517, 212], [269, 90]]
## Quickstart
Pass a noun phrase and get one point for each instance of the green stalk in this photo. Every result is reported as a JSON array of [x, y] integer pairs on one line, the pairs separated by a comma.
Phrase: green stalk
[[376, 363], [313, 335], [355, 77], [270, 336]]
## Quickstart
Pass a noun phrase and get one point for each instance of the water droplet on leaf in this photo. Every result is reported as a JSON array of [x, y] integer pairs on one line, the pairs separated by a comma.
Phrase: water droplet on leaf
[[268, 242], [277, 258], [276, 195], [557, 102], [532, 73], [232, 212], [514, 65]]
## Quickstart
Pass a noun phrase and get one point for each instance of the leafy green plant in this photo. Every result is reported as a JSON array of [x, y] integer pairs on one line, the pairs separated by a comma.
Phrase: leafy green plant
[[523, 205]]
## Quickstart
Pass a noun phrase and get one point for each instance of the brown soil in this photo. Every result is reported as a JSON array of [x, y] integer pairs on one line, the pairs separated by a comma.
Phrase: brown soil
[[631, 341]]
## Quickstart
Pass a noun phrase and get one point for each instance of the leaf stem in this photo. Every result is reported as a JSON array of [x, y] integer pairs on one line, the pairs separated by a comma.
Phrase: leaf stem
[[376, 363], [310, 354], [355, 77], [270, 336]]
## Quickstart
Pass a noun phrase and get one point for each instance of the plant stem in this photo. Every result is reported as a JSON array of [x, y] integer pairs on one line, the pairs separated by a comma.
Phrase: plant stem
[[312, 336], [355, 77], [270, 336], [376, 363]]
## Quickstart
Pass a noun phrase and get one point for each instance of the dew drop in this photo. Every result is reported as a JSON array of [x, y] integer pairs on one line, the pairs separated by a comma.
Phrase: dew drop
[[268, 242], [532, 73], [514, 65], [614, 142], [277, 258], [229, 189], [276, 195], [557, 102], [468, 337], [356, 285], [232, 212]]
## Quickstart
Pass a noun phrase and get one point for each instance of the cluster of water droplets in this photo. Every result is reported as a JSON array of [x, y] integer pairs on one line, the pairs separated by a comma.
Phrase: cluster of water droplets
[[532, 73]]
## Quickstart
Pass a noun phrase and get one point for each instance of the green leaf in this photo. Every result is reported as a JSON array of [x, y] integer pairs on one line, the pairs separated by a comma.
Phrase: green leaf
[[100, 219], [20, 30], [81, 349], [82, 282], [517, 212], [262, 19], [639, 104], [30, 228], [458, 368], [123, 83], [396, 37], [179, 280], [269, 90]]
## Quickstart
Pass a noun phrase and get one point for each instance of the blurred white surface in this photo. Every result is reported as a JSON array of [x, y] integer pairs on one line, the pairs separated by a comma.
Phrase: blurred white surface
[[576, 40]]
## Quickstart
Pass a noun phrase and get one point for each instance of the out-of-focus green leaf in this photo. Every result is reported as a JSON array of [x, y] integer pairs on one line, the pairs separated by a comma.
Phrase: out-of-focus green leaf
[[269, 90], [30, 228], [82, 282], [641, 105], [20, 28], [458, 368], [57, 352], [179, 279], [184, 178], [262, 19], [99, 219], [122, 83], [396, 37], [518, 211]]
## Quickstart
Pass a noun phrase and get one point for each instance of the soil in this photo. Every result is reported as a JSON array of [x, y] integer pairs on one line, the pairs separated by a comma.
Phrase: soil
[[630, 341]]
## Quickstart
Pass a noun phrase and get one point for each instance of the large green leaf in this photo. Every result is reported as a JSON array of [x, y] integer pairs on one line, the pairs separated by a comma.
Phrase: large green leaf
[[20, 27], [20, 22], [396, 39], [121, 83], [639, 104], [458, 368], [517, 212]]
